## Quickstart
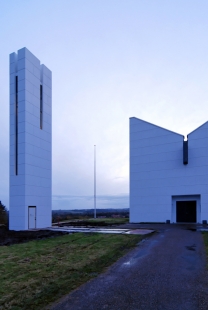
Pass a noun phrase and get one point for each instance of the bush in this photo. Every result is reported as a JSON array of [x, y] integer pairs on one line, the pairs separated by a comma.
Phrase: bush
[[3, 214]]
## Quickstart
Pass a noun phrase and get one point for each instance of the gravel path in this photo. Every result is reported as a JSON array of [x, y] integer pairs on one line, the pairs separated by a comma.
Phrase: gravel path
[[165, 272]]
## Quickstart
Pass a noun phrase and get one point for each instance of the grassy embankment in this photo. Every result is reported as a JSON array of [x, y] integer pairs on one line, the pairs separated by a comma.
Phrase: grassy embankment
[[116, 221], [108, 221], [34, 274]]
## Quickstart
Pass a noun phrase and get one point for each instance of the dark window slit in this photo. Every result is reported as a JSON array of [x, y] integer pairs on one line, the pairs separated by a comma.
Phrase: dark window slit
[[41, 107], [16, 125]]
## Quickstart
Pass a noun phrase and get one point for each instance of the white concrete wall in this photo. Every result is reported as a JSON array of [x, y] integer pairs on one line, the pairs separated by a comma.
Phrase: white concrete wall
[[32, 185], [157, 172], [198, 168]]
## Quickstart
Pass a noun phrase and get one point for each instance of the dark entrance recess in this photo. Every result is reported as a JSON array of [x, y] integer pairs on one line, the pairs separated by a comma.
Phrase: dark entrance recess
[[186, 211]]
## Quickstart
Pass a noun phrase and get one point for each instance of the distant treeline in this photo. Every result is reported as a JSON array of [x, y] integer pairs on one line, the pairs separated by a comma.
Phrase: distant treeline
[[61, 215]]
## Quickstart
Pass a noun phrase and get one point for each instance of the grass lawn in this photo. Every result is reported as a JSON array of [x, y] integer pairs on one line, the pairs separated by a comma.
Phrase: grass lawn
[[110, 220], [36, 273]]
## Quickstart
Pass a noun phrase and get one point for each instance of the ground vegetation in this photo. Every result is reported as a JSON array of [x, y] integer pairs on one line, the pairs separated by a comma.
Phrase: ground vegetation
[[63, 215], [3, 214], [39, 272]]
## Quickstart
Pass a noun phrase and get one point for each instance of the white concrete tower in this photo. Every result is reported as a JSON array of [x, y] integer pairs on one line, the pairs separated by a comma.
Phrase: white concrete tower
[[30, 142]]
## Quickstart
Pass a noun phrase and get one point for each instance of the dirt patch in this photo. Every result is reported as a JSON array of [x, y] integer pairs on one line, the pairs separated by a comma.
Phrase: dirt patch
[[9, 237]]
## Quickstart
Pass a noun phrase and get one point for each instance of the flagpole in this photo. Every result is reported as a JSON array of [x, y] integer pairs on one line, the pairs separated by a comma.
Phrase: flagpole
[[95, 181]]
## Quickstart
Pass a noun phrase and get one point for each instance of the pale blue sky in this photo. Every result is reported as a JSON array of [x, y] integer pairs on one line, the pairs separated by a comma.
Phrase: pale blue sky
[[111, 59]]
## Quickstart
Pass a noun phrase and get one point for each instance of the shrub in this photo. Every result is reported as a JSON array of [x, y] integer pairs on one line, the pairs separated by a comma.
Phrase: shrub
[[3, 214]]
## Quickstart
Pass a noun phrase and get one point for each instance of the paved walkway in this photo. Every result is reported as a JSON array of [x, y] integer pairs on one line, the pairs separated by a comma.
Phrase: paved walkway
[[103, 230], [165, 272]]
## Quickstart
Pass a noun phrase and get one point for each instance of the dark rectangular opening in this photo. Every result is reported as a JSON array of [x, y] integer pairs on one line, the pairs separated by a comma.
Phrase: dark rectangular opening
[[16, 125], [186, 211], [41, 107]]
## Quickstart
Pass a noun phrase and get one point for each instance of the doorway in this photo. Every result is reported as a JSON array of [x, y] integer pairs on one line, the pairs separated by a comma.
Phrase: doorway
[[186, 211], [31, 217]]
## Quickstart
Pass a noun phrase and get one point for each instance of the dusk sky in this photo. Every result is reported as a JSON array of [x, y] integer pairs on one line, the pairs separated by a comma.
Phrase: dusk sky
[[110, 60]]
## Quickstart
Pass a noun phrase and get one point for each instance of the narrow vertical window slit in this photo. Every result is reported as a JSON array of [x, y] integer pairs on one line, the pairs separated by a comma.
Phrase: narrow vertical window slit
[[185, 152], [41, 107], [16, 125]]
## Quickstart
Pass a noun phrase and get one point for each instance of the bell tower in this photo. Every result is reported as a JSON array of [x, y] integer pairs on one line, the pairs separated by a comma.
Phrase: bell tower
[[30, 142]]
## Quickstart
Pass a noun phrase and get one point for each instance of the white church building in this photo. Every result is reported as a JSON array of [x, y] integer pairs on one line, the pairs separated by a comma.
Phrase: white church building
[[30, 142], [168, 175]]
